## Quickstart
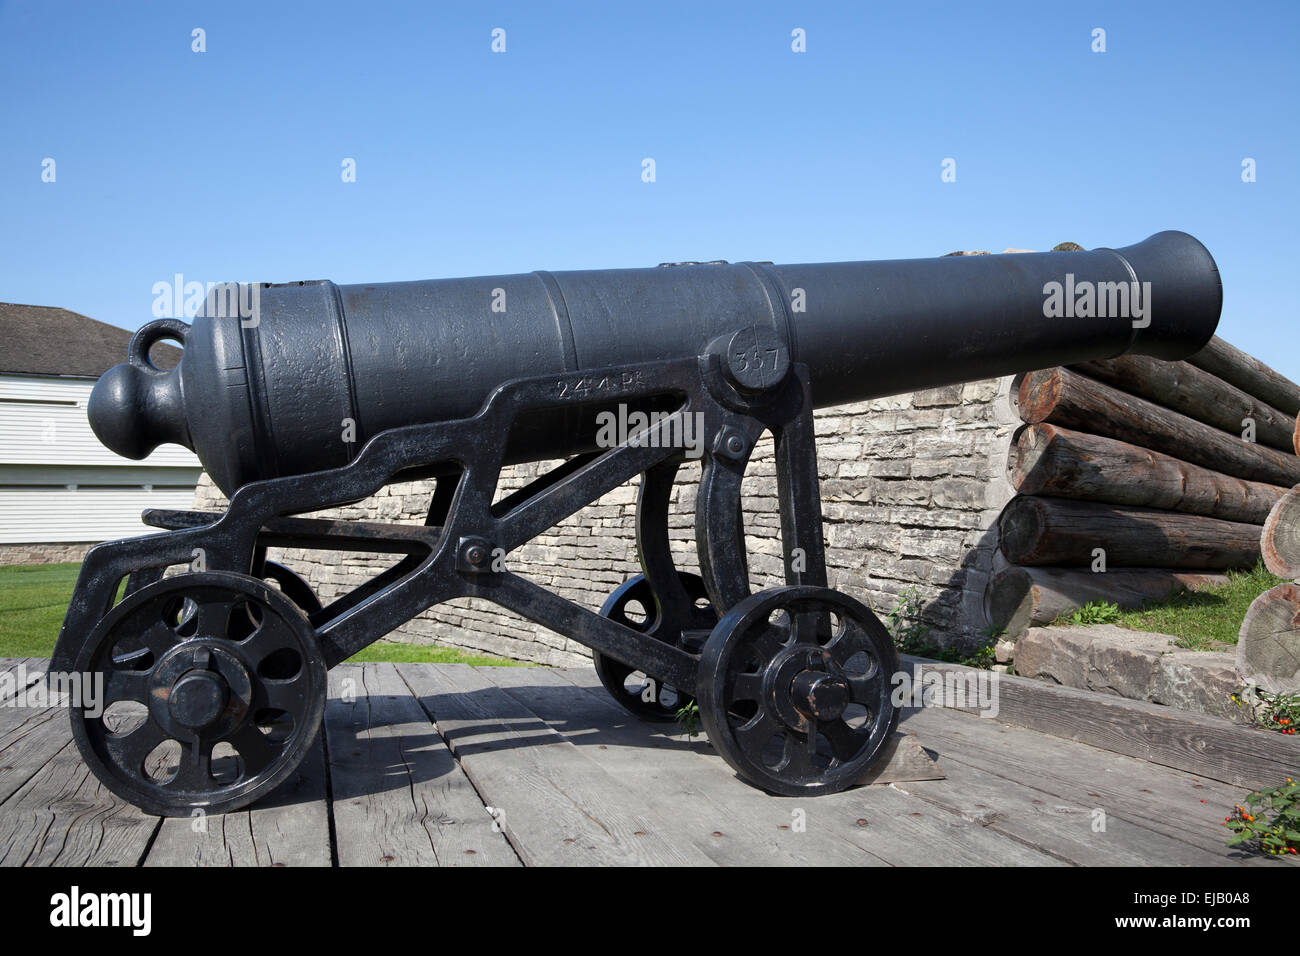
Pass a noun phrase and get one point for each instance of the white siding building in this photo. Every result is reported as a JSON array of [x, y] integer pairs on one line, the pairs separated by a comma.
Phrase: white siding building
[[60, 489]]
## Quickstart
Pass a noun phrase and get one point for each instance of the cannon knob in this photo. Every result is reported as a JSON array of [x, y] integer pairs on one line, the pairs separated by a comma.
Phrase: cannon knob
[[753, 359], [135, 407]]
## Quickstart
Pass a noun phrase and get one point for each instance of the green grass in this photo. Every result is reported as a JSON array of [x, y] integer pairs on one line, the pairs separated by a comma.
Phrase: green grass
[[1197, 619], [425, 654], [33, 599]]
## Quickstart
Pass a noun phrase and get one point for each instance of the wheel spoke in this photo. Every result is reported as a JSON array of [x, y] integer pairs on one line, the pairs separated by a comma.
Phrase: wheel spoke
[[212, 618], [768, 642], [159, 639], [851, 641], [808, 627], [257, 752], [130, 750], [286, 695], [845, 742], [754, 735], [747, 687], [270, 636], [195, 773], [867, 690], [796, 758], [125, 685]]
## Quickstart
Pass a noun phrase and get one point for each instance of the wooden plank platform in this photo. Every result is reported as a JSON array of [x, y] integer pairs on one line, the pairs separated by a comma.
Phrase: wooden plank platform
[[449, 765]]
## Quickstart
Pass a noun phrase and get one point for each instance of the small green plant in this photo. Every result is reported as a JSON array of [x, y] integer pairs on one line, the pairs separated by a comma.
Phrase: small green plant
[[911, 636], [1270, 816], [904, 623], [1280, 712], [689, 717], [1094, 612], [984, 658], [985, 655]]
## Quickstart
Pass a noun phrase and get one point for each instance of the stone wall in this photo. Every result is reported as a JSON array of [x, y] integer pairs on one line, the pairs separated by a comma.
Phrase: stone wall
[[56, 553], [911, 486]]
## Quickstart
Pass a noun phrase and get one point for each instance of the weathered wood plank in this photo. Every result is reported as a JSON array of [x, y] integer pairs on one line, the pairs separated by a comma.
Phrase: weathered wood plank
[[63, 816], [681, 778], [399, 797], [28, 743], [1181, 806], [23, 673], [557, 806], [882, 820], [1062, 827], [29, 736], [1196, 743], [290, 827]]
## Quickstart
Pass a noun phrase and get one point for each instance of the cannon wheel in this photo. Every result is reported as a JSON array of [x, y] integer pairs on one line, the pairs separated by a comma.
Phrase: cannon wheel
[[794, 689], [292, 585], [214, 700], [642, 694]]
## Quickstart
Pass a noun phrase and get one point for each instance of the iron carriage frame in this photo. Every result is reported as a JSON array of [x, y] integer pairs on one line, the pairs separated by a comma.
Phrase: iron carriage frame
[[706, 638]]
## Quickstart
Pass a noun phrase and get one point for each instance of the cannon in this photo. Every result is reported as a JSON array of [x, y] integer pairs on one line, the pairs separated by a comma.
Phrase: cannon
[[320, 394]]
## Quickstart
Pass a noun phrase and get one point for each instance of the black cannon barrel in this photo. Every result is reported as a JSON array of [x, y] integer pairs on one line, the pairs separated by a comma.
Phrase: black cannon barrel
[[267, 394]]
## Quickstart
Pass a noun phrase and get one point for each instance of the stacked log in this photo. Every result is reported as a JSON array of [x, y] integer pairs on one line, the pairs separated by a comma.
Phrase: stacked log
[[1062, 397], [1137, 478]]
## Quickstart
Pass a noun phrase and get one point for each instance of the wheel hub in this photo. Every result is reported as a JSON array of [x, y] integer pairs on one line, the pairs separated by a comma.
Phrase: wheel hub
[[200, 688], [198, 699], [802, 679], [820, 695]]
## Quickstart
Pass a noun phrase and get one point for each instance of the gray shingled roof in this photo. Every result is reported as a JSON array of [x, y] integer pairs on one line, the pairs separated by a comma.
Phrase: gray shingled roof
[[39, 340]]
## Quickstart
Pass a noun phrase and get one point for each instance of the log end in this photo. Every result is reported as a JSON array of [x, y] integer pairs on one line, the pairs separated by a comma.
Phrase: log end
[[1025, 458], [1038, 395], [1279, 541], [1009, 602], [1268, 646], [1020, 530]]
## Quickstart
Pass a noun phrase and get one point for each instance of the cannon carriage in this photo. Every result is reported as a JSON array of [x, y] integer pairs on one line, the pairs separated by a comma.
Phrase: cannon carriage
[[328, 393]]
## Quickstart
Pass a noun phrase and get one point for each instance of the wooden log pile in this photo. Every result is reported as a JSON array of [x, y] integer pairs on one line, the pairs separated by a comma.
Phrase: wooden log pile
[[1137, 478]]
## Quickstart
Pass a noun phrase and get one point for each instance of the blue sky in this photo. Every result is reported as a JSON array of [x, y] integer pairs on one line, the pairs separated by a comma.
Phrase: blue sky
[[226, 164]]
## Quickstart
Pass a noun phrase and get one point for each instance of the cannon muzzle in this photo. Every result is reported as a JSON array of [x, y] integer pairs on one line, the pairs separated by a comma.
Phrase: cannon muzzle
[[272, 390]]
